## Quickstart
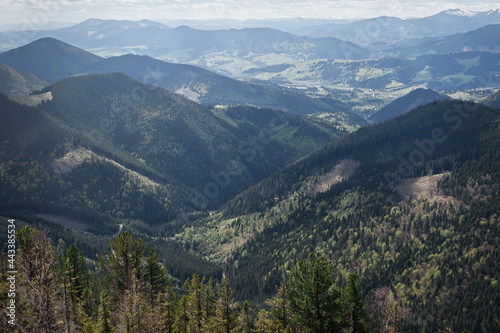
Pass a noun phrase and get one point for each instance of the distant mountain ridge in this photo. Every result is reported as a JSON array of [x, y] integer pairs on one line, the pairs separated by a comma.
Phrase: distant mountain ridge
[[209, 88], [406, 103], [48, 59], [231, 49], [383, 32], [63, 60], [484, 39], [234, 51]]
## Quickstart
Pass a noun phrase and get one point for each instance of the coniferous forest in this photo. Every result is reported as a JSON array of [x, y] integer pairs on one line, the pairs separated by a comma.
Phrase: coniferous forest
[[174, 178], [129, 290]]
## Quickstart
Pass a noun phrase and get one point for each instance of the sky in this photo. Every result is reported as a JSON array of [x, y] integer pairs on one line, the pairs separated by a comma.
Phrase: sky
[[37, 14]]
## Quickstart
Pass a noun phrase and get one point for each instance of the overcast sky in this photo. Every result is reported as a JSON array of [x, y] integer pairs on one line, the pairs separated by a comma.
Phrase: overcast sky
[[38, 12]]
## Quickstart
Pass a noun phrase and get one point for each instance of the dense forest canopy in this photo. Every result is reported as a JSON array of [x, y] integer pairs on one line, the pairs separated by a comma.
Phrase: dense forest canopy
[[138, 195]]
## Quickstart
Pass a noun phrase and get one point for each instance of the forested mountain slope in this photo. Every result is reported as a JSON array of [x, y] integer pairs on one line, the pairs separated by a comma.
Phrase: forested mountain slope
[[209, 88], [163, 153], [410, 203], [170, 134], [15, 82], [493, 100]]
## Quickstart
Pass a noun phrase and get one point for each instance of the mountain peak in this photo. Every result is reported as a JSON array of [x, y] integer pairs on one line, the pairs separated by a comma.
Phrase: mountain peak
[[48, 58], [459, 12]]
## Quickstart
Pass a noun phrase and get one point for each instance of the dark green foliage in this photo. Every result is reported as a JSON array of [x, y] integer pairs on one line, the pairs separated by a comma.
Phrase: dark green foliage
[[314, 301], [104, 320], [356, 316], [292, 136], [15, 82], [156, 276], [428, 247], [178, 141], [493, 100], [311, 300], [124, 264]]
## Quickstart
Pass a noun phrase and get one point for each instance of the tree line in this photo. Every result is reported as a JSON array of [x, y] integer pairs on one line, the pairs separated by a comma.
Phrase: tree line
[[129, 289]]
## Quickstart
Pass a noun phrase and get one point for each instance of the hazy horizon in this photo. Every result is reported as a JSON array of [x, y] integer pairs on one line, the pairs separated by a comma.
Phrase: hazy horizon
[[35, 14]]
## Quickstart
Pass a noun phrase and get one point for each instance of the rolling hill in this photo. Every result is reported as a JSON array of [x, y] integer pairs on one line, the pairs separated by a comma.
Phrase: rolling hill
[[455, 71], [406, 103]]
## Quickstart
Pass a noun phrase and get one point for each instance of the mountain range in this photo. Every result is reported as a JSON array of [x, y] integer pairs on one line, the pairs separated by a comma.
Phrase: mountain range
[[397, 202], [53, 60], [482, 39], [243, 179], [233, 51], [385, 32], [244, 48]]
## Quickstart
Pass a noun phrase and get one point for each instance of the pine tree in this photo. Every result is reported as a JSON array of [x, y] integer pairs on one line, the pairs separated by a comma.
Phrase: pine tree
[[224, 320], [197, 317], [74, 277], [281, 308], [38, 288], [356, 316], [208, 299], [125, 264], [155, 276], [181, 323], [125, 269], [313, 298], [244, 319], [104, 320], [166, 301]]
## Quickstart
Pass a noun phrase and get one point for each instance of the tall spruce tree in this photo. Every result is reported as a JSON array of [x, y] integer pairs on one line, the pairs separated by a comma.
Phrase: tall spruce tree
[[38, 287], [224, 320], [314, 300], [125, 270], [357, 318]]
